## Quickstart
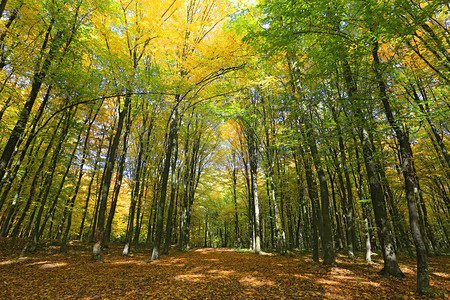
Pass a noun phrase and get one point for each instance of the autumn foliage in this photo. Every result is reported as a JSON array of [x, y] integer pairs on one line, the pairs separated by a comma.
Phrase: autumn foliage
[[307, 130]]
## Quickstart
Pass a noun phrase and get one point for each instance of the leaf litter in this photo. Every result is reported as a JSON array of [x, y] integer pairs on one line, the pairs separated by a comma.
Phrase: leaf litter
[[207, 273]]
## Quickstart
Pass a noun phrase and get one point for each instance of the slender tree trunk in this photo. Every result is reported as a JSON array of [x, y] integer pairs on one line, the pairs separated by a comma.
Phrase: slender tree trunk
[[7, 103], [279, 233], [397, 216], [131, 214], [280, 243], [175, 221], [13, 208], [327, 240], [196, 168], [139, 214], [314, 198], [347, 192], [254, 184], [77, 188], [18, 224], [30, 139], [65, 238], [5, 30], [423, 208], [250, 213], [423, 281], [2, 7], [86, 205], [43, 195], [63, 180], [205, 242], [364, 206], [191, 162], [379, 206], [282, 214], [26, 232], [337, 212], [236, 215], [173, 191], [153, 211], [119, 177], [303, 211], [288, 243], [139, 176], [271, 216], [170, 143], [109, 167]]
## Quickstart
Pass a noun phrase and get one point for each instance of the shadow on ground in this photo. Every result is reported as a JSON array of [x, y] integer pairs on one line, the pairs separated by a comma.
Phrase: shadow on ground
[[204, 274]]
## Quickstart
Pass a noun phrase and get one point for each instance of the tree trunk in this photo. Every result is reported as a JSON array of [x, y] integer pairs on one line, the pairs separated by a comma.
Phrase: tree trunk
[[43, 194], [378, 203], [170, 143], [119, 177], [190, 184], [61, 185], [271, 216], [30, 139], [18, 224], [236, 215], [139, 176], [423, 208], [153, 212], [89, 191], [347, 192], [77, 188], [279, 232], [315, 213], [13, 208], [109, 167], [139, 214], [423, 282], [131, 214], [173, 191], [251, 142], [379, 207], [398, 219], [303, 210], [359, 183], [339, 234], [327, 239], [194, 178]]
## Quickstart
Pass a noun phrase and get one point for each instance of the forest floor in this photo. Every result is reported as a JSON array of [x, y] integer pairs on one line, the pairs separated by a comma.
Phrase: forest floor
[[205, 273]]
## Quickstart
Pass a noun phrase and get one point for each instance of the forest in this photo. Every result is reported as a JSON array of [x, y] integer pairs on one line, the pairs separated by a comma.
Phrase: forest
[[282, 129]]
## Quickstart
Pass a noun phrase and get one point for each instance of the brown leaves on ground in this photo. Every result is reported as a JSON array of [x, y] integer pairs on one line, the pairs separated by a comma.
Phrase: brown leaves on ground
[[206, 274]]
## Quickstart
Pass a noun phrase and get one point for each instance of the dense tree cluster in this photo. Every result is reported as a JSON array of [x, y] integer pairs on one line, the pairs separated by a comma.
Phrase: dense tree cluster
[[318, 125]]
